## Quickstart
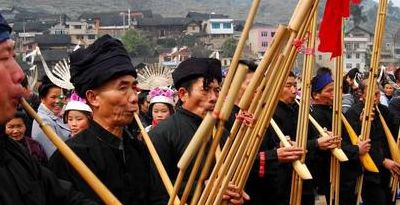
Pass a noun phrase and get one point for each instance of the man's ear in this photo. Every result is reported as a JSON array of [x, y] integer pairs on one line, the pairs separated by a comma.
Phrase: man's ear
[[92, 98], [183, 94]]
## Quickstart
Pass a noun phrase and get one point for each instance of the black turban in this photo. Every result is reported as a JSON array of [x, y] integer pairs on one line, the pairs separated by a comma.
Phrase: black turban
[[209, 68], [5, 29], [102, 61]]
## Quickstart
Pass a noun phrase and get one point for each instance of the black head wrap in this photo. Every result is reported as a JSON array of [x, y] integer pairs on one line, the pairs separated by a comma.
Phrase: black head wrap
[[209, 68], [249, 63], [5, 29], [102, 61]]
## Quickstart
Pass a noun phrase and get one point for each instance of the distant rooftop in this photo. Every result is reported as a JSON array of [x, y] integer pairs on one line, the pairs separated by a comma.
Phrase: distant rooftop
[[33, 26], [204, 16], [47, 40]]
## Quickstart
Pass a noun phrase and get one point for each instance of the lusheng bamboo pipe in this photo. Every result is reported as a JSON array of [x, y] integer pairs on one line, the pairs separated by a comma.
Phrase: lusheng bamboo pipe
[[337, 124], [104, 194], [238, 79], [395, 179], [300, 168], [365, 159], [372, 78], [283, 65], [156, 159], [271, 53], [337, 152], [394, 150], [209, 123], [304, 109], [373, 74]]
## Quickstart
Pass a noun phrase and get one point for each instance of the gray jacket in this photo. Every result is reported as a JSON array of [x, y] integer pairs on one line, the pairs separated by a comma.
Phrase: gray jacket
[[56, 123]]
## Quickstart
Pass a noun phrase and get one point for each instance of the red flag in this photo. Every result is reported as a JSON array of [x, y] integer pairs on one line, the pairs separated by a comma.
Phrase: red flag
[[331, 26]]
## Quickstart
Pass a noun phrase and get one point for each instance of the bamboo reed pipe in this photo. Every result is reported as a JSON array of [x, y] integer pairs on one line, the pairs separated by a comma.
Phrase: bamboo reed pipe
[[236, 56], [393, 147], [104, 194], [365, 159], [209, 124], [198, 139], [337, 125], [288, 51], [297, 165], [156, 159], [192, 176], [379, 34], [337, 152]]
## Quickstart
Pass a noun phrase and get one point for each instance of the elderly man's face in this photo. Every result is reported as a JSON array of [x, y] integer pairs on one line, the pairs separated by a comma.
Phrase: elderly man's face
[[10, 84], [116, 101]]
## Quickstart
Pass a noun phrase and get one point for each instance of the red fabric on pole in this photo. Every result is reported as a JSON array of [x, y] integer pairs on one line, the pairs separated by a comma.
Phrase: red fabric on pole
[[331, 26]]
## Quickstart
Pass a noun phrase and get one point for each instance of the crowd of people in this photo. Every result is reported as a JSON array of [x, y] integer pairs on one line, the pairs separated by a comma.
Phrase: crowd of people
[[96, 120]]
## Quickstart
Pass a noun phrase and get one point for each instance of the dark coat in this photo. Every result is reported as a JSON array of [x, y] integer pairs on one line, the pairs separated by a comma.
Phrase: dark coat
[[172, 136], [25, 182], [122, 165], [274, 184]]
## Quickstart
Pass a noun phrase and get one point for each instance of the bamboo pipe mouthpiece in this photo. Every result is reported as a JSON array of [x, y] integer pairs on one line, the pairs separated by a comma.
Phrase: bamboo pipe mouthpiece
[[339, 154], [301, 170], [199, 137]]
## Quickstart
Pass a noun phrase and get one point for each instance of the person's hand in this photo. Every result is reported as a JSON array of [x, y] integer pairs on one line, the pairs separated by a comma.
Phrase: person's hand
[[364, 146], [392, 166], [328, 142], [289, 154], [235, 196]]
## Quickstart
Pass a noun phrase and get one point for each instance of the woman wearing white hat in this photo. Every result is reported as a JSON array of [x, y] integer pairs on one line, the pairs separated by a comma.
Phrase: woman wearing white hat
[[161, 105], [77, 114]]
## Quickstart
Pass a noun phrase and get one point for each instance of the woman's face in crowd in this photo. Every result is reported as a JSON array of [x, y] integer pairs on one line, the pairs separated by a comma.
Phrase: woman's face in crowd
[[388, 89], [77, 121], [160, 111], [15, 128], [51, 100]]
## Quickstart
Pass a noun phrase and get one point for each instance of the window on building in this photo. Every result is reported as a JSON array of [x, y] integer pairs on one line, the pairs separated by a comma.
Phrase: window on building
[[90, 27], [357, 55], [319, 57], [264, 34], [215, 25], [264, 44], [347, 46], [77, 27], [387, 45], [272, 34], [357, 65], [193, 27], [349, 65], [356, 45], [91, 37], [348, 56], [79, 37], [227, 25]]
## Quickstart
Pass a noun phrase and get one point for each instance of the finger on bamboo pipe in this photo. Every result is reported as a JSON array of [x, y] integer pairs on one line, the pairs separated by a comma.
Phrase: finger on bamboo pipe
[[201, 134]]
